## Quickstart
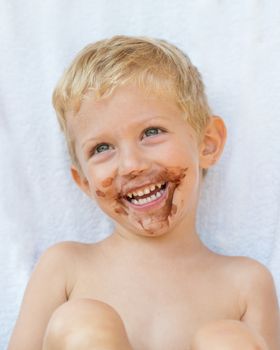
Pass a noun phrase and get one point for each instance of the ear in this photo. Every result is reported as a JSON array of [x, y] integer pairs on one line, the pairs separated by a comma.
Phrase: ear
[[80, 180], [212, 143]]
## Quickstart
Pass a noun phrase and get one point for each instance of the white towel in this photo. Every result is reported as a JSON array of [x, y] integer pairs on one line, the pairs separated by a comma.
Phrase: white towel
[[235, 44]]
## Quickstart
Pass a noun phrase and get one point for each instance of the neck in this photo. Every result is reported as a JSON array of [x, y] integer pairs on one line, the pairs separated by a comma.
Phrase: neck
[[181, 241]]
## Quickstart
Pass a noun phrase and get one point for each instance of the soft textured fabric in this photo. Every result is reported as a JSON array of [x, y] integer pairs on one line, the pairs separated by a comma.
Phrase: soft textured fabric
[[236, 46]]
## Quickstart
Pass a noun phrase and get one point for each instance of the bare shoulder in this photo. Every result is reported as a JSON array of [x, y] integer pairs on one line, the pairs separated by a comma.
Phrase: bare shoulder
[[247, 272], [64, 251], [255, 281], [58, 266], [247, 276], [64, 257]]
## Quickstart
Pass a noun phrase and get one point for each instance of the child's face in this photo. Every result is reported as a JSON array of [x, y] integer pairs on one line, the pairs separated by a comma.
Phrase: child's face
[[140, 160]]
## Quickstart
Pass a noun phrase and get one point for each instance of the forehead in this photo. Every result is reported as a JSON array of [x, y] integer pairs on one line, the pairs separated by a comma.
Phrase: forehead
[[127, 106]]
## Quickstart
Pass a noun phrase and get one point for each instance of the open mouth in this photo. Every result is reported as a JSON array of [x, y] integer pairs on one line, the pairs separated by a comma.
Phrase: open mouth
[[147, 194]]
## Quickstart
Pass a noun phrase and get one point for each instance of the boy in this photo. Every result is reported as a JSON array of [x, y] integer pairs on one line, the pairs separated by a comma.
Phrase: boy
[[141, 136]]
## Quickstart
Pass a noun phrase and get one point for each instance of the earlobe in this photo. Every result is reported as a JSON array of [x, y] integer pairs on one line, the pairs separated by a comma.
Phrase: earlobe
[[80, 180], [213, 142]]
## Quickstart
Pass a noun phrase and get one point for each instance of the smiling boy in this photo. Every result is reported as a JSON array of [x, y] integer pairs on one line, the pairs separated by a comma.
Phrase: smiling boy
[[141, 137]]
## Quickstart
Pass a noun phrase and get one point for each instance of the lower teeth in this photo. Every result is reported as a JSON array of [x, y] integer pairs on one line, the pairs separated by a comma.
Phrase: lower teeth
[[148, 199]]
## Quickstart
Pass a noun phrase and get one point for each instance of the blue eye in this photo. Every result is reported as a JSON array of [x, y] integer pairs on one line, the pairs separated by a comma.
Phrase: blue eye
[[102, 147], [152, 132]]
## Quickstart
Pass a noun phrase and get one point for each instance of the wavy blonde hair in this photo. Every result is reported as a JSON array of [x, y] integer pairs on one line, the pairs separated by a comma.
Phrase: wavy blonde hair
[[153, 64]]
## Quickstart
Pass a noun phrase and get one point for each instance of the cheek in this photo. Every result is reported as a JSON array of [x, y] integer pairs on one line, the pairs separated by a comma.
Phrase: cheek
[[185, 155], [181, 154], [101, 181], [100, 178], [102, 190], [186, 194], [111, 205]]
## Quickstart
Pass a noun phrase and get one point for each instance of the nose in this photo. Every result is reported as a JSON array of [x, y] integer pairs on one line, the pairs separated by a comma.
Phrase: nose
[[132, 161]]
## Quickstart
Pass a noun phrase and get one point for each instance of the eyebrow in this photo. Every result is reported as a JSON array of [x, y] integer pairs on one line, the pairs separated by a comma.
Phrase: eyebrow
[[89, 140], [136, 124]]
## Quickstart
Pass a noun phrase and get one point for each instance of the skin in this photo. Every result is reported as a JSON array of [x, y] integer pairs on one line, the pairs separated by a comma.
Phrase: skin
[[153, 270]]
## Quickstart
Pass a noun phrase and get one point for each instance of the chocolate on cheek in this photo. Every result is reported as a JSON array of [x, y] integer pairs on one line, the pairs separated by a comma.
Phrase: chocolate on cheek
[[100, 193], [121, 210], [111, 194], [174, 174], [120, 207], [107, 182]]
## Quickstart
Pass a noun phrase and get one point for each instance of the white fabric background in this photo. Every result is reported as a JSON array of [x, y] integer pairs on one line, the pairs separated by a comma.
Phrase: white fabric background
[[236, 46]]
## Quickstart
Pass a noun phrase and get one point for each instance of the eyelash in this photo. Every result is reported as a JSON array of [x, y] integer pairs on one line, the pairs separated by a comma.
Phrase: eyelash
[[154, 128], [94, 150]]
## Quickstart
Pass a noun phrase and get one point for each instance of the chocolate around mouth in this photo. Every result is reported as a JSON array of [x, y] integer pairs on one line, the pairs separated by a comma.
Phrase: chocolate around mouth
[[171, 177]]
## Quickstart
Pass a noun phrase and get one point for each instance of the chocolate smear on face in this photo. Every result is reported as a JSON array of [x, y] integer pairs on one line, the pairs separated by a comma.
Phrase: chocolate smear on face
[[107, 182], [156, 220], [173, 174], [135, 173], [120, 210], [100, 193]]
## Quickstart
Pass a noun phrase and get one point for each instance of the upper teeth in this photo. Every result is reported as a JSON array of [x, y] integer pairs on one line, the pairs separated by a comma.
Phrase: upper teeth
[[145, 190]]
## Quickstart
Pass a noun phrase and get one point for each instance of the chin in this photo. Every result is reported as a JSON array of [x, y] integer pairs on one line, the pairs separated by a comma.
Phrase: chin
[[153, 227]]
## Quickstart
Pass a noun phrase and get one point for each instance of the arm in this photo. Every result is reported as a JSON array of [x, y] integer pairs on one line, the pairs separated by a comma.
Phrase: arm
[[47, 289], [262, 309]]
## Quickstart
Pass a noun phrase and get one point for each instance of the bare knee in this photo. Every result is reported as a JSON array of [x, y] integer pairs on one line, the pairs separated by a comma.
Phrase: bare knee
[[227, 335], [84, 323]]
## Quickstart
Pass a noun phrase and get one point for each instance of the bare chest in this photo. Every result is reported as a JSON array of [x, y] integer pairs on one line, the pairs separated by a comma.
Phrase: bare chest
[[161, 309]]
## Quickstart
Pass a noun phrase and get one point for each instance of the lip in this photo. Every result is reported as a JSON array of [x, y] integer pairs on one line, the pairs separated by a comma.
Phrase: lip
[[152, 205]]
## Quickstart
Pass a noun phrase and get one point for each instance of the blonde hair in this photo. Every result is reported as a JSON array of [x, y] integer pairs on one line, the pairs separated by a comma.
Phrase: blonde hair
[[153, 64]]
